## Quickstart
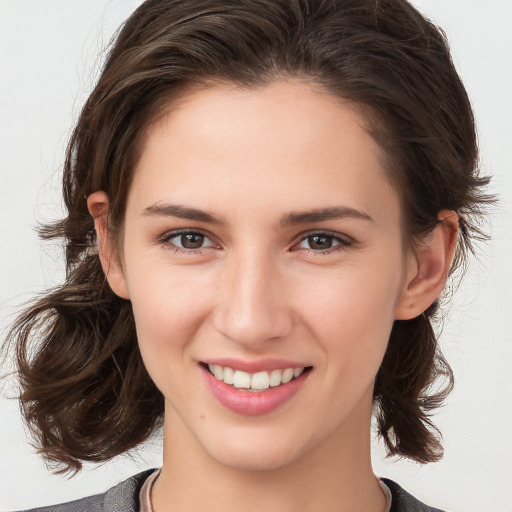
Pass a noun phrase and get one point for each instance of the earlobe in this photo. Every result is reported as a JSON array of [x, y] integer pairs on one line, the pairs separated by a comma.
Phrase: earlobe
[[98, 205], [428, 267]]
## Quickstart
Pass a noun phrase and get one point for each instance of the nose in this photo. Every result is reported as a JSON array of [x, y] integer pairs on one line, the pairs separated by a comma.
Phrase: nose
[[252, 306]]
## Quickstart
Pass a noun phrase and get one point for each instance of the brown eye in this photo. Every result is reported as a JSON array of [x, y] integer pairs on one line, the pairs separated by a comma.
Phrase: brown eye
[[187, 240], [320, 242], [192, 240], [324, 242]]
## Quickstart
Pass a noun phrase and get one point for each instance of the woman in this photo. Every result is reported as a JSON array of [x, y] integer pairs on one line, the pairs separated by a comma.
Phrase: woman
[[265, 201]]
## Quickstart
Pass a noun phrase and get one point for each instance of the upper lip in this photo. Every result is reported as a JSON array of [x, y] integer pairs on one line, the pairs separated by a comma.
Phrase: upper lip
[[260, 365]]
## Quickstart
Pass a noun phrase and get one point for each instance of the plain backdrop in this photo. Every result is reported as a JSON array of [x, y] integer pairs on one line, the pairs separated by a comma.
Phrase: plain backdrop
[[50, 54]]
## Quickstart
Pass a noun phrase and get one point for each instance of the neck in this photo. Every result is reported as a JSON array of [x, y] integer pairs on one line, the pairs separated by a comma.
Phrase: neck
[[335, 476]]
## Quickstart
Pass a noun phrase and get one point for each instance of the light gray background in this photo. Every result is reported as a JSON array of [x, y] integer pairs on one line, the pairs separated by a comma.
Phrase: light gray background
[[50, 54]]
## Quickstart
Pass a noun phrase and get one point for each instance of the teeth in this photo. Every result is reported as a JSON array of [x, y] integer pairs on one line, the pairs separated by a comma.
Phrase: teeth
[[257, 381], [229, 375], [242, 379], [260, 380], [275, 378], [218, 372], [287, 375]]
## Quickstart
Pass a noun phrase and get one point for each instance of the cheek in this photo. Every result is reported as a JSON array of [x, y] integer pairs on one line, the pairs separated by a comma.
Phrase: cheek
[[169, 306], [352, 313], [162, 294], [353, 300], [354, 335]]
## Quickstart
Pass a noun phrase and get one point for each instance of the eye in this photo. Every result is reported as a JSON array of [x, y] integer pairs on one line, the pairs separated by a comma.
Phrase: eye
[[324, 242], [187, 240]]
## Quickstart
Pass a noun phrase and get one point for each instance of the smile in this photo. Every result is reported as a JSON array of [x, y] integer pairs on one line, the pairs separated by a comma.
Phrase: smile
[[259, 381], [257, 392]]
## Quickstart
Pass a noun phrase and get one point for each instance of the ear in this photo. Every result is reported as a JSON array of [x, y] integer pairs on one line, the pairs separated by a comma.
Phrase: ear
[[98, 204], [428, 267]]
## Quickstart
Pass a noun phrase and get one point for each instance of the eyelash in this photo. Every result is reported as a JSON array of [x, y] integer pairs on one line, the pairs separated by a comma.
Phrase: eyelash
[[343, 242], [166, 241]]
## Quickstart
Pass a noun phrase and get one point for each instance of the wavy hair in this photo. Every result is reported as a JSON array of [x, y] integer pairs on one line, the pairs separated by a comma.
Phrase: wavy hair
[[86, 394]]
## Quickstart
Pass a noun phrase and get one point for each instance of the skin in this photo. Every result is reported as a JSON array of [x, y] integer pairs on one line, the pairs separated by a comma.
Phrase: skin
[[257, 289]]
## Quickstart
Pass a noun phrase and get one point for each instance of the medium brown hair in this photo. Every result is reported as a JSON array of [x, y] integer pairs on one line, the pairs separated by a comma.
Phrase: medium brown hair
[[86, 394]]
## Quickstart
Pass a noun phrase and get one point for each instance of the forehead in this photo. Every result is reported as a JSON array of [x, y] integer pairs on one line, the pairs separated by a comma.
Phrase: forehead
[[289, 144]]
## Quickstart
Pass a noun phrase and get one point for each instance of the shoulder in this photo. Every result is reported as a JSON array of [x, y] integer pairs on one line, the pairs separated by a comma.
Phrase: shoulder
[[123, 496], [405, 502]]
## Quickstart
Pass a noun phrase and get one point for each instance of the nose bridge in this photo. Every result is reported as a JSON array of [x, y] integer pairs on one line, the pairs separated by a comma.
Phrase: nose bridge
[[252, 305]]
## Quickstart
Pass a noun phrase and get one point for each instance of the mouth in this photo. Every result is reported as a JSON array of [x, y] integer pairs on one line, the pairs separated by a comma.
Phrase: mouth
[[258, 381], [253, 393]]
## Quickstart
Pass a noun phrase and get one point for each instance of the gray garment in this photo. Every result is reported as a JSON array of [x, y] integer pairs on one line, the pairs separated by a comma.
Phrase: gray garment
[[124, 497], [405, 502]]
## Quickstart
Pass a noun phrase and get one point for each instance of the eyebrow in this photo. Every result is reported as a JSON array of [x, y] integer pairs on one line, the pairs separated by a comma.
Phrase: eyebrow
[[182, 212], [291, 219], [321, 214]]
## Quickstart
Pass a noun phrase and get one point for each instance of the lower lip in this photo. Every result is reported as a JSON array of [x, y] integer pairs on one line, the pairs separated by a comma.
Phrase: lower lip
[[252, 403]]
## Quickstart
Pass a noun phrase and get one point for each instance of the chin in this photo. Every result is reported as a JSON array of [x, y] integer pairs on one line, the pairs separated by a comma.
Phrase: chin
[[257, 451], [252, 460]]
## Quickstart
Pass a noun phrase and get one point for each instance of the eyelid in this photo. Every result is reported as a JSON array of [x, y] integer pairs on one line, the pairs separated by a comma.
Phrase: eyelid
[[165, 239], [345, 241]]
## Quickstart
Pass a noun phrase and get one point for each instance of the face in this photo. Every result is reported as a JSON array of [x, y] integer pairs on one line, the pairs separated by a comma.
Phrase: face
[[262, 241]]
